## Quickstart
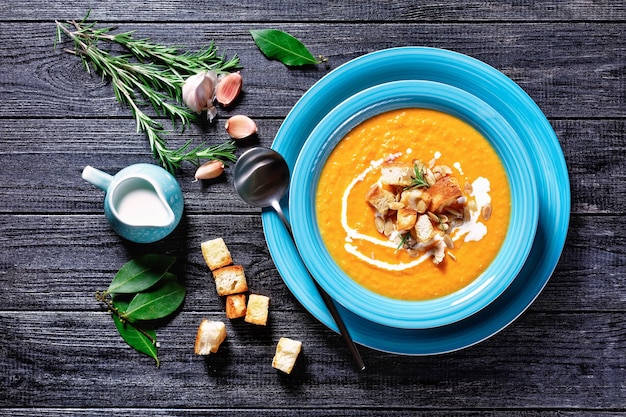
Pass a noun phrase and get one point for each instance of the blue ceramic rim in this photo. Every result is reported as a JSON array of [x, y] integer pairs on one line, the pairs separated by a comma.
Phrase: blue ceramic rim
[[417, 94], [484, 81]]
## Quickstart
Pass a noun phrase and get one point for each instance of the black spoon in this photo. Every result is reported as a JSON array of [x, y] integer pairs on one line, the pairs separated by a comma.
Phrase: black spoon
[[261, 178]]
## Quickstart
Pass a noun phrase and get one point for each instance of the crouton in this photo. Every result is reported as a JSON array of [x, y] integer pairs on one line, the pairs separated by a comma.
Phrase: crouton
[[216, 253], [380, 199], [235, 306], [257, 310], [210, 336], [417, 199], [287, 352], [406, 219], [444, 192], [424, 228], [230, 280], [396, 173]]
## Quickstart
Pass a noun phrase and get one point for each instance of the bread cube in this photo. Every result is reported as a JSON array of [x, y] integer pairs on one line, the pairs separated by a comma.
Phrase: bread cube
[[287, 352], [236, 306], [210, 336], [444, 192], [216, 253], [230, 280], [380, 199], [396, 173], [424, 228], [257, 310], [406, 218]]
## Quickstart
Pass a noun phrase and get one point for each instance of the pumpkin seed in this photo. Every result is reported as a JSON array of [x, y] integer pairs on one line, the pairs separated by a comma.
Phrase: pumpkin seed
[[454, 212], [430, 178], [379, 222], [466, 214], [388, 227], [486, 211]]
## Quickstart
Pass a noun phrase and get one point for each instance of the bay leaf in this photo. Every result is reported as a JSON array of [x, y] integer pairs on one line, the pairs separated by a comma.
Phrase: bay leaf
[[139, 338], [157, 303], [280, 45], [140, 273]]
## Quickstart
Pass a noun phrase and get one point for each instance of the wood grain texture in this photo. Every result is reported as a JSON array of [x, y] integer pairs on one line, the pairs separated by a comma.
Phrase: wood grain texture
[[318, 10], [60, 353], [556, 63], [588, 278], [80, 361]]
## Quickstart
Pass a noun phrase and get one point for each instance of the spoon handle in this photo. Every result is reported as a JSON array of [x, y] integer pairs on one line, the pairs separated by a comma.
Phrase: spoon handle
[[328, 301], [330, 304]]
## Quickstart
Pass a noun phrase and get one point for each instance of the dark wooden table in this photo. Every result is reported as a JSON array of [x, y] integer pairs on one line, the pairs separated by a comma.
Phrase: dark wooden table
[[59, 351]]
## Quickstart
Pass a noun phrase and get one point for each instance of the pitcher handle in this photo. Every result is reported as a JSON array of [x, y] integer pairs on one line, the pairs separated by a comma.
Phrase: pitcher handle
[[96, 177]]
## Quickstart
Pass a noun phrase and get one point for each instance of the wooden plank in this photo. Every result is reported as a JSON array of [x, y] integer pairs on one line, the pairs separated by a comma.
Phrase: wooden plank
[[295, 411], [49, 154], [315, 11], [184, 412], [63, 359], [570, 63], [57, 262]]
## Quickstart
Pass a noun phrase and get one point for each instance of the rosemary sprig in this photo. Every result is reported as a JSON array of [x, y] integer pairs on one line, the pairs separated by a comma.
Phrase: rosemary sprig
[[418, 179], [150, 73]]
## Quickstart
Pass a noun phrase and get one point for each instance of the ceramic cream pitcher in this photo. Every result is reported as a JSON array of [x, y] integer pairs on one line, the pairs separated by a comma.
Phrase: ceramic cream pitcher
[[143, 202]]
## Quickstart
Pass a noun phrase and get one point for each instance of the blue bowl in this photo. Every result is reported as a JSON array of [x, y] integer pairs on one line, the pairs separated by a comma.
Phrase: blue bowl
[[481, 291]]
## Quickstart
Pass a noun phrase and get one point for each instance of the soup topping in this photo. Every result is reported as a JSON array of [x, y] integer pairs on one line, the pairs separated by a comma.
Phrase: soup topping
[[420, 209]]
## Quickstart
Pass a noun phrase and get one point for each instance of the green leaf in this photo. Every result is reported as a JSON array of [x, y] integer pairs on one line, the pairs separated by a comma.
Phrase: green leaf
[[279, 45], [140, 273], [158, 303], [141, 339]]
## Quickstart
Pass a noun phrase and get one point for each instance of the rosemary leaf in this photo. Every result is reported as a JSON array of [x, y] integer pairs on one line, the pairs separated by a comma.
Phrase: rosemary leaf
[[418, 180]]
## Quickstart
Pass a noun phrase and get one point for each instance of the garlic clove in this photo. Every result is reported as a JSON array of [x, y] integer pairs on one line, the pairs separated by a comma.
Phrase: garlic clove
[[209, 170], [228, 88], [189, 92], [240, 127], [188, 86]]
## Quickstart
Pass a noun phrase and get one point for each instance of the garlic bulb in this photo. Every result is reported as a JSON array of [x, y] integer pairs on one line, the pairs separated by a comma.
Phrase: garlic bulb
[[199, 93]]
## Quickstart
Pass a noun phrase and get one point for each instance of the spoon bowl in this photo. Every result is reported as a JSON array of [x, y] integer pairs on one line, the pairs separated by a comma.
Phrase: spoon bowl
[[261, 176]]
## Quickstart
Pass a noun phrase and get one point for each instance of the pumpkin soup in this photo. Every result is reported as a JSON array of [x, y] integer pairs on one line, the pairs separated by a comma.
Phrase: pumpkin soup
[[413, 204]]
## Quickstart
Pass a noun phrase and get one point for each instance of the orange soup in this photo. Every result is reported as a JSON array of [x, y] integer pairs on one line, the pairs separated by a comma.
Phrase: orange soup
[[372, 244]]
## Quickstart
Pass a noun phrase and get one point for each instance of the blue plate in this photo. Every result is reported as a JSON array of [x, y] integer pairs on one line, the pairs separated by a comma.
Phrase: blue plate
[[414, 94], [519, 110]]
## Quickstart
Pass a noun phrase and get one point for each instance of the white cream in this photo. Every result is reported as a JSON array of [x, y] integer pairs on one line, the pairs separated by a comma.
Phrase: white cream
[[480, 191], [475, 230], [142, 207], [352, 234], [385, 265]]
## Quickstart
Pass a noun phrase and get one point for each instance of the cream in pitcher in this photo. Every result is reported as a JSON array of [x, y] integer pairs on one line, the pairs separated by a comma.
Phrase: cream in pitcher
[[143, 202]]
